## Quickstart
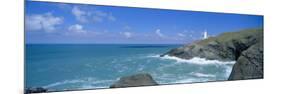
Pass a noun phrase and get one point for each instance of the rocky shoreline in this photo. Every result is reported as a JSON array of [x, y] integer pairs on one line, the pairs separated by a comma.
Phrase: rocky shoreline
[[245, 47]]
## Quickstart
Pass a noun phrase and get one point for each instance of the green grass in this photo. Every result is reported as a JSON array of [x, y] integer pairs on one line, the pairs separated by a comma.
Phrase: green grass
[[228, 36]]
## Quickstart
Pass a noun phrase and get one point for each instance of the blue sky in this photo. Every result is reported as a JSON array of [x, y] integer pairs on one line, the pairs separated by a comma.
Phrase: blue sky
[[47, 22]]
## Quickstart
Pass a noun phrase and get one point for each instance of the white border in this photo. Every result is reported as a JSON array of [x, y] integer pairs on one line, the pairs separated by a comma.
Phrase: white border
[[226, 6], [11, 51]]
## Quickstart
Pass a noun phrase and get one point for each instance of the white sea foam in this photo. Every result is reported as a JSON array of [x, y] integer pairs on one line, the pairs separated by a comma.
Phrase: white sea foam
[[228, 71], [197, 60], [202, 74], [199, 76], [63, 82], [153, 56], [187, 81], [91, 87], [85, 83]]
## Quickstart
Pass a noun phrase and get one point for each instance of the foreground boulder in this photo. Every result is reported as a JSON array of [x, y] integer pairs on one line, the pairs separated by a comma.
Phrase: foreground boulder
[[245, 47], [142, 79], [249, 65], [35, 90]]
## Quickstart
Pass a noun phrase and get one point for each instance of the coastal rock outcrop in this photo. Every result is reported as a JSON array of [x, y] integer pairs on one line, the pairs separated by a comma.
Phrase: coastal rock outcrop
[[225, 47], [142, 79], [35, 90], [245, 47], [249, 65]]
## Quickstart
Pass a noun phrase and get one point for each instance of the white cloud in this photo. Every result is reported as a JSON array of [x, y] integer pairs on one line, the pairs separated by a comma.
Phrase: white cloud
[[181, 35], [100, 13], [93, 15], [79, 14], [77, 28], [127, 27], [111, 17], [185, 31], [46, 22], [100, 16], [126, 34], [97, 19], [158, 32], [63, 6]]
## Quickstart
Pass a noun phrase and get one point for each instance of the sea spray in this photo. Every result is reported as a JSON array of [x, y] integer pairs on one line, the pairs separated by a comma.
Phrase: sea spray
[[198, 60], [201, 69]]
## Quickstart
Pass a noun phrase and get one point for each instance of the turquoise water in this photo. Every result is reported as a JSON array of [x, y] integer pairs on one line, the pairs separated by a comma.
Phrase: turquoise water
[[91, 66]]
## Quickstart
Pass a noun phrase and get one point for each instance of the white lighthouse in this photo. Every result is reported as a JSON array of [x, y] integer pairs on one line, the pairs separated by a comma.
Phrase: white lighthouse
[[205, 35]]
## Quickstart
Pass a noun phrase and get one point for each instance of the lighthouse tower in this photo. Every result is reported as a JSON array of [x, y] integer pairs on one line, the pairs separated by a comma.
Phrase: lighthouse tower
[[205, 35]]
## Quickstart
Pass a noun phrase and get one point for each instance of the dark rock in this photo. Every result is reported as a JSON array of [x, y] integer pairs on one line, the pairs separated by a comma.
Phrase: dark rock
[[162, 55], [35, 90], [249, 65], [245, 47], [142, 79]]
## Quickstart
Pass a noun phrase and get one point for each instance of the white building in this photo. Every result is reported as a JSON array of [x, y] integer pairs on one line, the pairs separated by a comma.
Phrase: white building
[[205, 34]]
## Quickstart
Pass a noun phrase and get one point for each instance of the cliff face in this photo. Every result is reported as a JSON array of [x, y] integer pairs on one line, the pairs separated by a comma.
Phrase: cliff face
[[245, 47], [250, 64]]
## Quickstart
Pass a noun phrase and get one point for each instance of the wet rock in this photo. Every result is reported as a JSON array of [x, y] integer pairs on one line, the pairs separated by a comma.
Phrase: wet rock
[[35, 90], [142, 79], [249, 65]]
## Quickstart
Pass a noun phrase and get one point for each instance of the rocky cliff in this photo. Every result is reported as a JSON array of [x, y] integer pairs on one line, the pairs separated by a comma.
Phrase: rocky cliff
[[249, 65], [142, 79], [245, 47]]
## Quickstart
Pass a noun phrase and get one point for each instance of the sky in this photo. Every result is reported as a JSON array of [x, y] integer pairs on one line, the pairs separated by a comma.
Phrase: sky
[[62, 23]]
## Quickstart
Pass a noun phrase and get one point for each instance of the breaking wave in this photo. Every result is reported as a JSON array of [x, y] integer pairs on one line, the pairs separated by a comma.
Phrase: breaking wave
[[202, 74], [199, 73], [195, 60]]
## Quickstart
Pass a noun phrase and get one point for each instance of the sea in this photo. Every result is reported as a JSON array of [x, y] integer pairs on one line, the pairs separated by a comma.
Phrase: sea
[[59, 67]]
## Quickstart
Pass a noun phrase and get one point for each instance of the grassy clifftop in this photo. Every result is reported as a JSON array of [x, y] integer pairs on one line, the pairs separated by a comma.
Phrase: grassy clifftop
[[226, 46], [238, 35]]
